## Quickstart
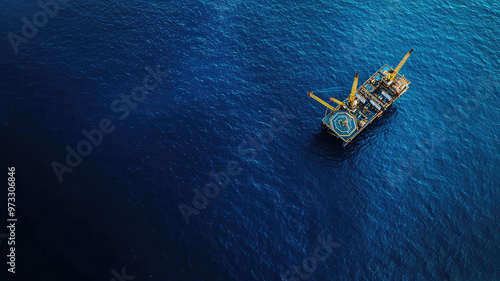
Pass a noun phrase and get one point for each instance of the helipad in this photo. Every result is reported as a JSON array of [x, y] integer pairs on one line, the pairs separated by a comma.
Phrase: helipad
[[343, 123]]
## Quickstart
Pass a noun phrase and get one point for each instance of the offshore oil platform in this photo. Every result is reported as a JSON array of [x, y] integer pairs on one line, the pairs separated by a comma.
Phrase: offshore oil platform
[[365, 103]]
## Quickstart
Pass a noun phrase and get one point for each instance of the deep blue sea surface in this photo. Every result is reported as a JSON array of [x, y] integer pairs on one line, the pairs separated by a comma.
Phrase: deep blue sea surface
[[414, 197]]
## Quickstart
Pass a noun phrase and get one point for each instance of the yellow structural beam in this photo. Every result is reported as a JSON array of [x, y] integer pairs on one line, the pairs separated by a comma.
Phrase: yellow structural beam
[[352, 97], [395, 73], [310, 94], [337, 101]]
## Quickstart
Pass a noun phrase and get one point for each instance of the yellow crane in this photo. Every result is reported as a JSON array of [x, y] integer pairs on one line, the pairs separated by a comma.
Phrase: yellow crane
[[337, 101], [310, 94], [352, 97], [391, 76]]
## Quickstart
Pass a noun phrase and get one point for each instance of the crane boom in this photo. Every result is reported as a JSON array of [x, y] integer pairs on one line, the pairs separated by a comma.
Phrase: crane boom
[[393, 75], [337, 101], [310, 94], [353, 90]]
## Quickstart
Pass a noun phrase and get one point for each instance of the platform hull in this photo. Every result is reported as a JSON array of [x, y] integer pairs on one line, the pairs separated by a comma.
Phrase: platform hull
[[372, 99]]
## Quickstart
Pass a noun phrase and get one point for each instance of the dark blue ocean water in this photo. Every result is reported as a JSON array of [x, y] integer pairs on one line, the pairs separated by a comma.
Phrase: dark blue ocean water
[[414, 197]]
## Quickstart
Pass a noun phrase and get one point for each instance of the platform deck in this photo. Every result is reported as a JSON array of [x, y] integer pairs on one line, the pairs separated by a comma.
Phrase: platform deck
[[373, 97]]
